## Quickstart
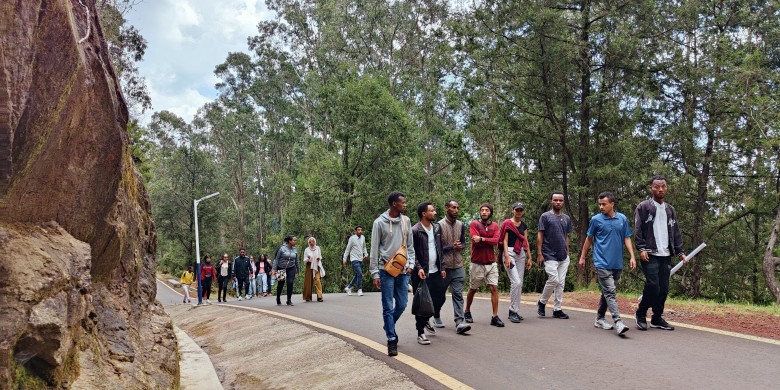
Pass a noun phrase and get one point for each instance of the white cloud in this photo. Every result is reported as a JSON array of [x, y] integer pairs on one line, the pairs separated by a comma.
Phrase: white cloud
[[187, 39]]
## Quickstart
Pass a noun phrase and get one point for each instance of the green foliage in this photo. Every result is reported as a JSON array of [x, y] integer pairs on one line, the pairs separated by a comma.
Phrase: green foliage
[[337, 103]]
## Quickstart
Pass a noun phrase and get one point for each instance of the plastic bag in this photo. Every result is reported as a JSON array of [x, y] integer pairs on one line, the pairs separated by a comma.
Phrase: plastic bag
[[422, 304]]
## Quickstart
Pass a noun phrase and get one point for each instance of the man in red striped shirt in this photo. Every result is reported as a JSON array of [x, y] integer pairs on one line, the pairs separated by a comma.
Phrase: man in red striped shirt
[[483, 269]]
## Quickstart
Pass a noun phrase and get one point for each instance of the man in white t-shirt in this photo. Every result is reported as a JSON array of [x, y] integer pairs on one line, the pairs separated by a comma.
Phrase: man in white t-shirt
[[658, 239], [428, 268]]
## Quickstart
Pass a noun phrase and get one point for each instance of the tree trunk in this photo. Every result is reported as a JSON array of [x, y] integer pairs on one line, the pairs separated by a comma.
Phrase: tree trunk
[[771, 262], [584, 274]]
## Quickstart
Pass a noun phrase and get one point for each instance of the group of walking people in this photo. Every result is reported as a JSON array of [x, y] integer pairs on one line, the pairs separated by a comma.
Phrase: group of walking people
[[255, 277], [433, 250]]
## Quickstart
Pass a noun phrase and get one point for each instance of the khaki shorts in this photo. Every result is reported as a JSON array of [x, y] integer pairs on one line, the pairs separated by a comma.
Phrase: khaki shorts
[[481, 274]]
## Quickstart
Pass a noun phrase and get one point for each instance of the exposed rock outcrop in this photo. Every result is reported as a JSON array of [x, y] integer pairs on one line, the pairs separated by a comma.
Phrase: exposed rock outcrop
[[76, 238]]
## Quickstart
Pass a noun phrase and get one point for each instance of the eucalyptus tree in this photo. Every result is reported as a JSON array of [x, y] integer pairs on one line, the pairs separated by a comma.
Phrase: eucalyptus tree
[[182, 170], [557, 86]]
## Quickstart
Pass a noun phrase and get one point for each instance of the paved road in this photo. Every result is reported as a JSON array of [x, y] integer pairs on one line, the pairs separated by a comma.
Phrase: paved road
[[547, 353]]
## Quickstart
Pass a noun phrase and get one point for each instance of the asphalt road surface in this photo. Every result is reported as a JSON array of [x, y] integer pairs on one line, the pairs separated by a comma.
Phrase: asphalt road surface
[[544, 352]]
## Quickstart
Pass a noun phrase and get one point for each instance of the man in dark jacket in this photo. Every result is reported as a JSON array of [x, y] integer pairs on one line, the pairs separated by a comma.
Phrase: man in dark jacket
[[658, 238], [428, 268], [241, 269]]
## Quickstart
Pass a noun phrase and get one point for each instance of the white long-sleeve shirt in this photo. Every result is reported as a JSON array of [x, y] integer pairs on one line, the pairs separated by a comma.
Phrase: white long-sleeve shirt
[[356, 248]]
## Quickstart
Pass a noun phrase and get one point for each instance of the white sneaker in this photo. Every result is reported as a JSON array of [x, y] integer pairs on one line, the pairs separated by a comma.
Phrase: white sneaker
[[603, 324], [422, 340], [208, 301], [360, 292], [348, 291], [437, 323], [248, 297], [620, 328], [239, 297]]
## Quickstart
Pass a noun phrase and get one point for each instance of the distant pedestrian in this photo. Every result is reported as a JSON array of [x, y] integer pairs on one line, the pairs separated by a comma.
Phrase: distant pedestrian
[[186, 281], [608, 232], [285, 268], [208, 274], [428, 268], [223, 277], [389, 233], [241, 271], [658, 238], [484, 270], [552, 245], [313, 258], [263, 268], [516, 256], [453, 238], [252, 280], [356, 253]]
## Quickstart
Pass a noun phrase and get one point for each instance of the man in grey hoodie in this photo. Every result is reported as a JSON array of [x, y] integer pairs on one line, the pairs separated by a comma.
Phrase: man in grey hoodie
[[387, 235]]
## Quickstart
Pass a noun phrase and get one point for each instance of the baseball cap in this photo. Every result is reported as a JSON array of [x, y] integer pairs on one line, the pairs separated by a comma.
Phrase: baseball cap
[[518, 205]]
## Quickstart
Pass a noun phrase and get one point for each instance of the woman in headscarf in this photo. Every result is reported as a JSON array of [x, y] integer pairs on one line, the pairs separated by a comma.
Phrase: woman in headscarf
[[285, 267], [313, 257]]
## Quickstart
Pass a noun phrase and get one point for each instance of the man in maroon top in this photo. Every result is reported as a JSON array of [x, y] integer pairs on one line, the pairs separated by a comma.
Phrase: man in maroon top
[[483, 270]]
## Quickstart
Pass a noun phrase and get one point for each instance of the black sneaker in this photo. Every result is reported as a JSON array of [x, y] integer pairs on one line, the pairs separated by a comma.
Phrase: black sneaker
[[429, 328], [467, 317], [560, 314], [540, 309], [514, 317], [392, 347], [641, 322], [495, 321], [661, 324]]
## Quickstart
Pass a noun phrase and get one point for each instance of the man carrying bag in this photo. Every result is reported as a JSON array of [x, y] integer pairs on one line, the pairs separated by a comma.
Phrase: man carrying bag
[[429, 295], [390, 232]]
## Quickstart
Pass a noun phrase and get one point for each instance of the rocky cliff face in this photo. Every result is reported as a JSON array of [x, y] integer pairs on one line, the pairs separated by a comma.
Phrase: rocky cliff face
[[76, 240]]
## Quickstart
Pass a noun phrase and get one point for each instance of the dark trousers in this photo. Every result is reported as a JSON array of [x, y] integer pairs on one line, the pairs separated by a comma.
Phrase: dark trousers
[[222, 288], [243, 285], [289, 279], [437, 289], [205, 287], [656, 271]]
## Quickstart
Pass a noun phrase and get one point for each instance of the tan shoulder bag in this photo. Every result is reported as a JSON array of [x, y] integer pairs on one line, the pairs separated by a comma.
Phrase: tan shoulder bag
[[396, 263]]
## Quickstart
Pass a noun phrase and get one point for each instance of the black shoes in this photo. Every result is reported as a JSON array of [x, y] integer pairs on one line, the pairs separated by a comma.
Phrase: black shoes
[[278, 302], [641, 322], [467, 317], [540, 309], [392, 347], [560, 314], [661, 324], [495, 321], [514, 317], [289, 303], [429, 328]]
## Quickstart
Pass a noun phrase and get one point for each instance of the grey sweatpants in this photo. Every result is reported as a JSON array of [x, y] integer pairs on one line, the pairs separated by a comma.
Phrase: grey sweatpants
[[456, 280]]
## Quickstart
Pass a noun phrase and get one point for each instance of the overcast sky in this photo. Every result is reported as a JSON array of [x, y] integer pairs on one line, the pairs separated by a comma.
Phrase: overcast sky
[[186, 40]]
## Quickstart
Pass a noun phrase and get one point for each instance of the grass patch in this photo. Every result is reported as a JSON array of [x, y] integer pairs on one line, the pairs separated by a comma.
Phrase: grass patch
[[24, 380]]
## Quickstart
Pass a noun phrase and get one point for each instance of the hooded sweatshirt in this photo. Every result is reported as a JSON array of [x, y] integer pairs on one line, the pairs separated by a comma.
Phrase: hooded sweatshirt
[[386, 238]]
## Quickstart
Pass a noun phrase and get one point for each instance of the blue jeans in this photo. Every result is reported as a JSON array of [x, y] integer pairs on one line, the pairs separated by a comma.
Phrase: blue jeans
[[393, 288], [357, 278]]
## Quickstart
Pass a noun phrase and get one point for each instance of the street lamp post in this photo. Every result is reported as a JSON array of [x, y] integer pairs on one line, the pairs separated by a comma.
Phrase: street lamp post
[[197, 244]]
